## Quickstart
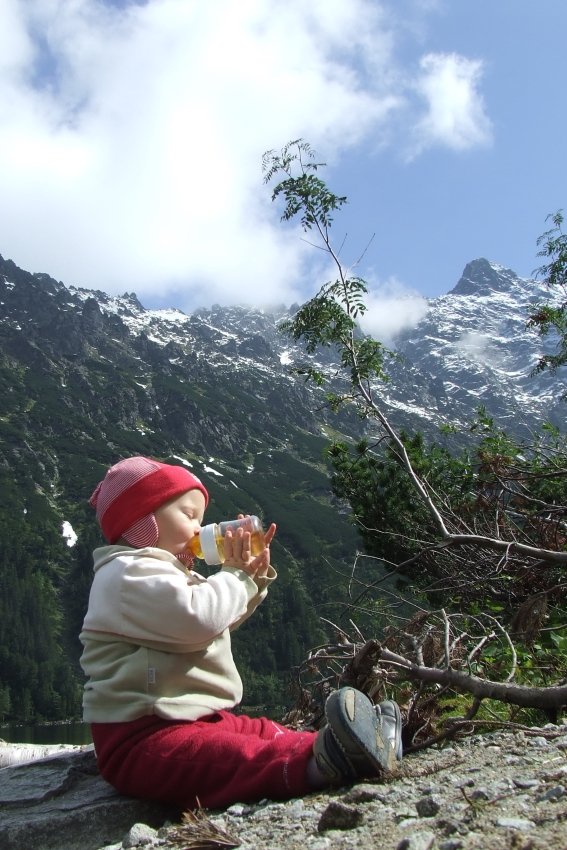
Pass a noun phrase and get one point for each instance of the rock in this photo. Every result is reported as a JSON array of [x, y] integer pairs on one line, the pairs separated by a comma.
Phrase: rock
[[340, 816], [539, 741], [418, 841], [553, 794], [521, 824], [62, 803], [364, 793], [519, 782], [479, 794], [237, 810], [139, 835], [428, 806]]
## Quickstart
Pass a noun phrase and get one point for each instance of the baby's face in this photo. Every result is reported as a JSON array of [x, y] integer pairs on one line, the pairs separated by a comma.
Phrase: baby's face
[[179, 520]]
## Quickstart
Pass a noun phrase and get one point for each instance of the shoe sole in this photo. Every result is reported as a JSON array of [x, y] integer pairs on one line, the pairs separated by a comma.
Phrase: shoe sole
[[356, 729]]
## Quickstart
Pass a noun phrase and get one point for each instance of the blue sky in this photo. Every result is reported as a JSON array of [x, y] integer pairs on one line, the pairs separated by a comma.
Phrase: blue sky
[[132, 135]]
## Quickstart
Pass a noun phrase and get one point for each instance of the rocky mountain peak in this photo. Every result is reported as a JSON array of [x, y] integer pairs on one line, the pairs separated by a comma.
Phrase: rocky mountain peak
[[482, 277], [476, 341]]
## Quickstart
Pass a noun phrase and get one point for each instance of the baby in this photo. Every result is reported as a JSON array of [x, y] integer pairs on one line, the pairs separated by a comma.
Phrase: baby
[[161, 676]]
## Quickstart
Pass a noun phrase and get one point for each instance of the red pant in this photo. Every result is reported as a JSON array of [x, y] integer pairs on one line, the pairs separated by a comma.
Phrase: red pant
[[212, 762]]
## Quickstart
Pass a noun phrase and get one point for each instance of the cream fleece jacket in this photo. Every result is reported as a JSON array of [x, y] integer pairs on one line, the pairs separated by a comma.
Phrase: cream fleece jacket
[[156, 636]]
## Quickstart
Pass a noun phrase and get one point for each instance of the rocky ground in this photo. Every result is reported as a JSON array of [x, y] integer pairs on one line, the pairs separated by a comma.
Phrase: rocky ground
[[506, 790]]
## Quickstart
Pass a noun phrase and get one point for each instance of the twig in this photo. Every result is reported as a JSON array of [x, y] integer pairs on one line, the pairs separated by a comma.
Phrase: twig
[[446, 639], [198, 832]]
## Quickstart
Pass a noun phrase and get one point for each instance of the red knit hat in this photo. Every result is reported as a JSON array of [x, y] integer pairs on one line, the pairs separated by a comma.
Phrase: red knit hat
[[129, 493]]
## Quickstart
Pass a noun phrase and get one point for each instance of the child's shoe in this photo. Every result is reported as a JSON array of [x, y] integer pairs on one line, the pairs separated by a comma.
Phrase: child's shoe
[[360, 739]]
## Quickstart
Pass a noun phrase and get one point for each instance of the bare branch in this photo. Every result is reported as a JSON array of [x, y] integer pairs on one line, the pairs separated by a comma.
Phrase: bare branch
[[524, 695]]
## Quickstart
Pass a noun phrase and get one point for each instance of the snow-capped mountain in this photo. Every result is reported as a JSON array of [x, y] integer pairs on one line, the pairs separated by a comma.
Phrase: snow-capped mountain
[[475, 345], [472, 348]]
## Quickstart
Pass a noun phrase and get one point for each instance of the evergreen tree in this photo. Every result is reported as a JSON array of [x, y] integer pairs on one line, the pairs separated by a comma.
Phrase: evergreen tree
[[34, 671]]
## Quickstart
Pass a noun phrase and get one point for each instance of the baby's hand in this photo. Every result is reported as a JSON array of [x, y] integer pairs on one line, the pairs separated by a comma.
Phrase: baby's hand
[[260, 565], [237, 550]]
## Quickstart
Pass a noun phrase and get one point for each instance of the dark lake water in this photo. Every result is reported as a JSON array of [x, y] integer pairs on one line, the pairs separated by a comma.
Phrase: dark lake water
[[75, 732], [46, 733]]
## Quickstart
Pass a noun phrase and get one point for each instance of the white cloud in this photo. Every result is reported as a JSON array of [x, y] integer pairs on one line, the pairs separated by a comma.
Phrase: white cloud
[[391, 308], [455, 112], [480, 348], [131, 134]]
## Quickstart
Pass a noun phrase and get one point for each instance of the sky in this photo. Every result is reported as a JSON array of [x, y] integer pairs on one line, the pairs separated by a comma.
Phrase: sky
[[132, 135]]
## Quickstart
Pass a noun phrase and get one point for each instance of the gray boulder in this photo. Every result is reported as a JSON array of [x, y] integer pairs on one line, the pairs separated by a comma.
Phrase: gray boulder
[[62, 803]]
